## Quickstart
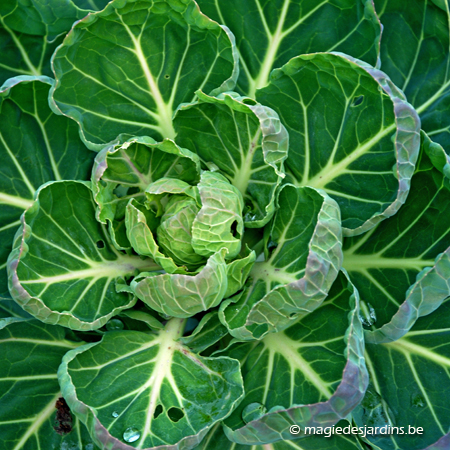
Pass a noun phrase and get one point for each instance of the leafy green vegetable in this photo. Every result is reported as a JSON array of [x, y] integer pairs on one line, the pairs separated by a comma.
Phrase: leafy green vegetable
[[224, 224]]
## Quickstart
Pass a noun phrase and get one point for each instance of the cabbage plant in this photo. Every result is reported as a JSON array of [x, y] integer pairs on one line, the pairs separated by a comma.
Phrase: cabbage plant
[[224, 224]]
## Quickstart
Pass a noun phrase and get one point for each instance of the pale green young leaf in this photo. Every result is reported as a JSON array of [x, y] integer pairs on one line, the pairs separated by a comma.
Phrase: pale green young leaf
[[219, 222], [180, 295], [63, 268], [138, 223], [149, 383], [125, 171], [351, 133], [270, 33]]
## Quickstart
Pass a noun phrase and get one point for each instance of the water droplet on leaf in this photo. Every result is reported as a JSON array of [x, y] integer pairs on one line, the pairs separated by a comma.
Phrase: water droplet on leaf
[[253, 411], [131, 434], [417, 401], [115, 414], [368, 315], [114, 325]]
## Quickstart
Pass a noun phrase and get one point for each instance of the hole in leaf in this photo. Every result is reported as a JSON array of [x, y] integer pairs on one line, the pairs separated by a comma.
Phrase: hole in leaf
[[249, 101], [100, 244], [175, 414], [158, 410], [358, 100], [293, 314], [166, 76], [63, 418], [233, 228], [271, 246]]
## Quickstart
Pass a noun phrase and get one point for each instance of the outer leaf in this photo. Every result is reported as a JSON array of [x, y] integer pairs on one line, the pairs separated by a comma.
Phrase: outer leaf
[[270, 33], [123, 172], [402, 267], [411, 376], [312, 374], [245, 140], [150, 383], [351, 132], [30, 353], [28, 30], [126, 79], [421, 69], [185, 295], [36, 146], [63, 269], [10, 309], [296, 278]]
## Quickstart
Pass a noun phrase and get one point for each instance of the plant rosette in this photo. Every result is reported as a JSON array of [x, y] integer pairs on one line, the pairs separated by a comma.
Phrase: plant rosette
[[224, 224]]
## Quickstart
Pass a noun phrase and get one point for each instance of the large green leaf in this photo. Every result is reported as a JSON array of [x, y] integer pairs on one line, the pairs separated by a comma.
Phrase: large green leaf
[[351, 133], [303, 259], [148, 386], [270, 33], [245, 140], [28, 32], [63, 269], [420, 28], [36, 146], [411, 379], [402, 267], [128, 84], [311, 375], [30, 354]]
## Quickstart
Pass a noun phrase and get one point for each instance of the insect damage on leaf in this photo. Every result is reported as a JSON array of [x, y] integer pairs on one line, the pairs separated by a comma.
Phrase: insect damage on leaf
[[63, 417]]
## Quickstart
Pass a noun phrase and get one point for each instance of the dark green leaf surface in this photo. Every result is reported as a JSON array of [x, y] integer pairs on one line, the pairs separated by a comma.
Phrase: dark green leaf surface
[[402, 267], [28, 32], [30, 354], [420, 28], [36, 146], [412, 378], [311, 374], [270, 33], [209, 331], [245, 140], [127, 83], [174, 396], [63, 269], [305, 245], [351, 133]]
